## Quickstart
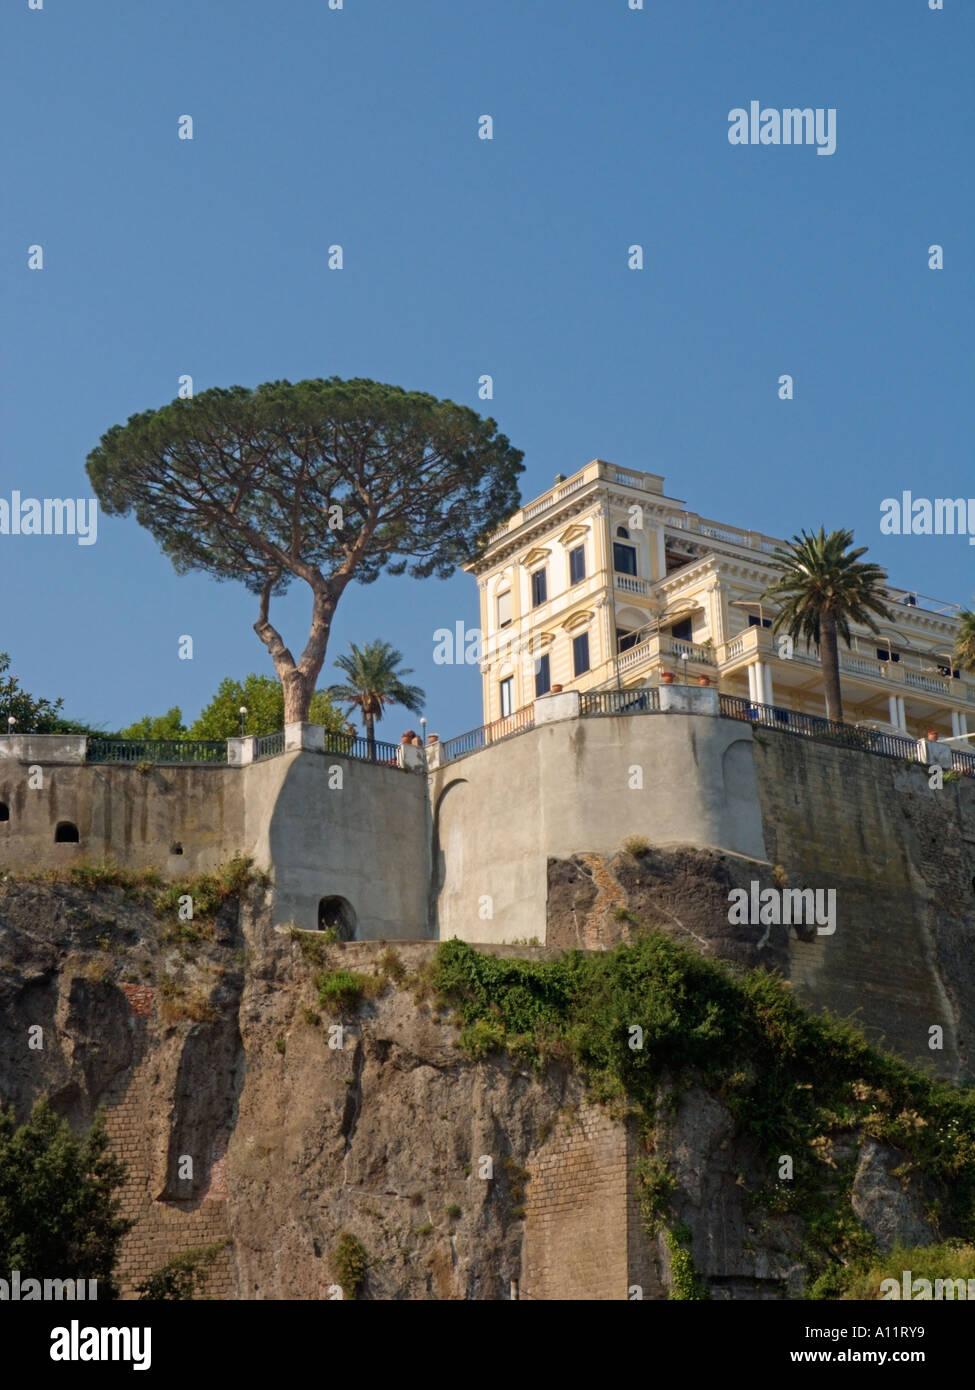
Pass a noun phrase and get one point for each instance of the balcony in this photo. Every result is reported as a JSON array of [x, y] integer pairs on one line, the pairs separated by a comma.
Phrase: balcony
[[629, 584], [653, 650], [759, 644]]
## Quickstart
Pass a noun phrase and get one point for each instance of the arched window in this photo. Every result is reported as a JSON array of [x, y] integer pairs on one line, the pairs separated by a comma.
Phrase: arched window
[[4, 811], [623, 533], [66, 833], [338, 915]]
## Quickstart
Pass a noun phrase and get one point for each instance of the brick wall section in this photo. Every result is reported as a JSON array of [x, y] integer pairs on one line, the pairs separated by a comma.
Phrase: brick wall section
[[163, 1229], [141, 999], [577, 1212]]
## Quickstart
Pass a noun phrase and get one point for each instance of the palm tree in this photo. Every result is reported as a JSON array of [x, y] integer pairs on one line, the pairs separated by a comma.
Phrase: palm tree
[[375, 680], [823, 586], [964, 653]]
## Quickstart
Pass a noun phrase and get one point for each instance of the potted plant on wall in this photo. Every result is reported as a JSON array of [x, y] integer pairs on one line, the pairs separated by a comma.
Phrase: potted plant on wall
[[704, 680], [667, 677]]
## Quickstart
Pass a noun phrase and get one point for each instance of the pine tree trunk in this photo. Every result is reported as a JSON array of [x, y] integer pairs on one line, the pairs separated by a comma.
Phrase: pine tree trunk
[[830, 658], [297, 696], [297, 678]]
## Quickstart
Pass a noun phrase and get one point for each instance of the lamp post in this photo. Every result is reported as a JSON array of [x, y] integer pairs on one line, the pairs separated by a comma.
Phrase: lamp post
[[423, 730], [11, 721], [243, 720]]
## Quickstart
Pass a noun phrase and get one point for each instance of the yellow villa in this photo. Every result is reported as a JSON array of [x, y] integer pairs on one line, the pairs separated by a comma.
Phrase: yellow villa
[[605, 582]]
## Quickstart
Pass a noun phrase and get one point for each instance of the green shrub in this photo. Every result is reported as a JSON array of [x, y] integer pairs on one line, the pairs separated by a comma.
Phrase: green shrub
[[183, 1277], [655, 1185], [636, 845], [391, 966], [59, 1205], [685, 1283], [349, 1264], [342, 989], [790, 1078], [950, 1260]]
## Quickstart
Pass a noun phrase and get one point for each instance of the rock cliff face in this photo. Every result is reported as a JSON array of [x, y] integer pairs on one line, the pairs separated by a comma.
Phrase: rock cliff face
[[461, 1179]]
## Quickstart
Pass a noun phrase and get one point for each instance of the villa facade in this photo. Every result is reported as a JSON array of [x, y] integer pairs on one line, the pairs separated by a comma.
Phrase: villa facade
[[605, 582]]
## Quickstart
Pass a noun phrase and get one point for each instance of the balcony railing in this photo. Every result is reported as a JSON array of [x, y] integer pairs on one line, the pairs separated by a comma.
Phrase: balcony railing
[[486, 734], [644, 700], [663, 645], [718, 531], [628, 584], [867, 740], [759, 641], [269, 745]]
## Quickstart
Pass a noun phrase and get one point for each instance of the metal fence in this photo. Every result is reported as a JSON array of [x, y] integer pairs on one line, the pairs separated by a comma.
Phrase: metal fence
[[641, 701], [269, 745], [487, 733], [831, 731], [350, 747], [170, 750], [963, 762]]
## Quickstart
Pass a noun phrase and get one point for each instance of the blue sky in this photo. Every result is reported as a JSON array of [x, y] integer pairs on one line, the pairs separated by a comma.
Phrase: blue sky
[[463, 257]]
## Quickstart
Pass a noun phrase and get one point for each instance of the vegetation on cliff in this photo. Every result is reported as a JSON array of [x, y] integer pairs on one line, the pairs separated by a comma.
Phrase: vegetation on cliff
[[650, 1017], [59, 1208]]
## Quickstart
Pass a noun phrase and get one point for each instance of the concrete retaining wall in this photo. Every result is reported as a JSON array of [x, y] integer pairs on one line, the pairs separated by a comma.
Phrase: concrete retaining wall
[[581, 785]]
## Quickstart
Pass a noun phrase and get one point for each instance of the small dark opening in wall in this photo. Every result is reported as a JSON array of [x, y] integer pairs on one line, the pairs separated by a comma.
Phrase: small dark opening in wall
[[337, 913], [66, 833], [176, 847], [4, 811]]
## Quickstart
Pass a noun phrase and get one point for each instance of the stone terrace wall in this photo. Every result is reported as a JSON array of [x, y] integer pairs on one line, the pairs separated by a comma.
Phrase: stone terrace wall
[[570, 788], [901, 857]]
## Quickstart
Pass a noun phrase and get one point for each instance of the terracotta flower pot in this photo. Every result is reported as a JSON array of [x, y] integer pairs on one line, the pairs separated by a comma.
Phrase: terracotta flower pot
[[932, 735], [704, 680], [667, 678], [556, 690]]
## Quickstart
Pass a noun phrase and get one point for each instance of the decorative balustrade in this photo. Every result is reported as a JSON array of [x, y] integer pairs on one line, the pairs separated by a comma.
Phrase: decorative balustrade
[[932, 683], [627, 584]]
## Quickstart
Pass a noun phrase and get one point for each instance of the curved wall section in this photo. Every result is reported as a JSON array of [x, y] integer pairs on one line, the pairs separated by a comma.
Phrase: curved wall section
[[582, 785]]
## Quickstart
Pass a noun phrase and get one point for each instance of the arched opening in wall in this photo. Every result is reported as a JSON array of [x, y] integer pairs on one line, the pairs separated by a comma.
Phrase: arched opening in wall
[[4, 811], [66, 833], [338, 915]]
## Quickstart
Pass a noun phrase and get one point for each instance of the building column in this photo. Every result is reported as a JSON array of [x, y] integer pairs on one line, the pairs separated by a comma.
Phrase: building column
[[765, 679], [901, 715], [716, 615], [963, 723], [660, 559], [753, 694], [893, 711]]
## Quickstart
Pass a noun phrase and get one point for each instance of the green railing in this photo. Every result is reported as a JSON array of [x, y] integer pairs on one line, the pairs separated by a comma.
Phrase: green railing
[[170, 750], [269, 745]]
